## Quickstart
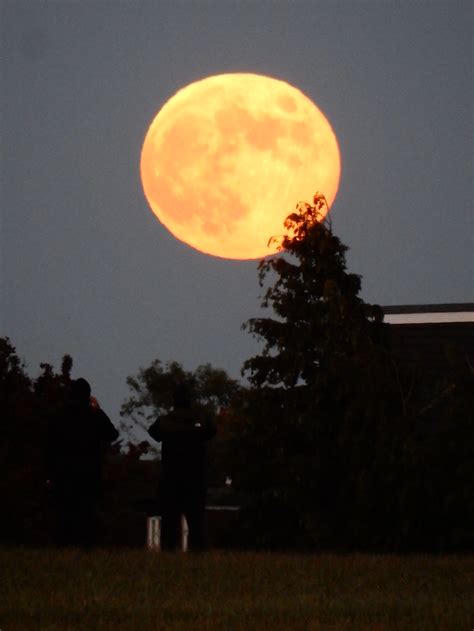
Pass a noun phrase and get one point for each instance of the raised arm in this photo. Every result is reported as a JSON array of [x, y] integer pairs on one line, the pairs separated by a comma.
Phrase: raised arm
[[107, 430], [155, 431]]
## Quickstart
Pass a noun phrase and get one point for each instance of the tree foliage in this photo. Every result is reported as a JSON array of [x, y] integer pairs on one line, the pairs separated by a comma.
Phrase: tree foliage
[[331, 452], [15, 391], [313, 384], [320, 315], [27, 405], [152, 390]]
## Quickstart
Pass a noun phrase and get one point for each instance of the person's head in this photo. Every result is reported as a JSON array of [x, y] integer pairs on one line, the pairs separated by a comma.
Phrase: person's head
[[182, 396], [80, 391]]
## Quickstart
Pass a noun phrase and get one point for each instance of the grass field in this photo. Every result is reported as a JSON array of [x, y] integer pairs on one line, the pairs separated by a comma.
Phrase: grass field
[[104, 589]]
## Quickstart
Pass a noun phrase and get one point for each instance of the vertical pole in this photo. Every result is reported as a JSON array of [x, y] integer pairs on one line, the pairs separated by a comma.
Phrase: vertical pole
[[153, 528], [184, 534]]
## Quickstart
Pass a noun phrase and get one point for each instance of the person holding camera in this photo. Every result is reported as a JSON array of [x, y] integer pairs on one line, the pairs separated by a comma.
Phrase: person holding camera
[[183, 432], [77, 440]]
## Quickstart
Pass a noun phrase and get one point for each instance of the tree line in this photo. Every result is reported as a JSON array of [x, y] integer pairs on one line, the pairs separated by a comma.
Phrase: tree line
[[330, 442]]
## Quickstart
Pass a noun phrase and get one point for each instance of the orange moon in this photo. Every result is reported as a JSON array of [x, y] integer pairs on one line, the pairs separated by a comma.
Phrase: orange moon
[[227, 158]]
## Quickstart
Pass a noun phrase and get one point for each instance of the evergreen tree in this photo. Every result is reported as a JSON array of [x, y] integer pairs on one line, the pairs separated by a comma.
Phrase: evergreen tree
[[318, 386], [320, 315]]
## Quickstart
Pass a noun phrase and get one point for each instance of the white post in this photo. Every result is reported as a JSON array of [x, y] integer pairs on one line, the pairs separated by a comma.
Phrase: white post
[[184, 534], [153, 529]]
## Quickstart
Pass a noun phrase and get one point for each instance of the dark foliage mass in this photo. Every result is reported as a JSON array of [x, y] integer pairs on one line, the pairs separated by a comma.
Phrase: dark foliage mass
[[26, 406], [339, 447]]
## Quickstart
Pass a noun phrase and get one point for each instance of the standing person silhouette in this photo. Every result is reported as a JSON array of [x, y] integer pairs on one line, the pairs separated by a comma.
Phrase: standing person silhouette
[[76, 445], [183, 433]]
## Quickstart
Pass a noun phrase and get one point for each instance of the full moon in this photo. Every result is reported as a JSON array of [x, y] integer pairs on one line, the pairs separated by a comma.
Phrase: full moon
[[227, 159]]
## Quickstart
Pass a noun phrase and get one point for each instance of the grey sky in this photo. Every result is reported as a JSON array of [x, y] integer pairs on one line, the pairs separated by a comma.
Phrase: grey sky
[[86, 267]]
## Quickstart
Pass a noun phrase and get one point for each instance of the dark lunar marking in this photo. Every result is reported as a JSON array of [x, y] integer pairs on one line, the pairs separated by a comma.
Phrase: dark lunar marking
[[287, 103]]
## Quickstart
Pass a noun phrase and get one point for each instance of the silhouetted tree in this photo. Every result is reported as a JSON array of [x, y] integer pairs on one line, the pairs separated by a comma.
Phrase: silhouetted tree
[[26, 406], [15, 397], [322, 385], [320, 315], [336, 444]]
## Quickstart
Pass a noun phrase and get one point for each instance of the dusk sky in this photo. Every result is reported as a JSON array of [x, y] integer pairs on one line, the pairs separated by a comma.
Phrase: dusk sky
[[87, 269]]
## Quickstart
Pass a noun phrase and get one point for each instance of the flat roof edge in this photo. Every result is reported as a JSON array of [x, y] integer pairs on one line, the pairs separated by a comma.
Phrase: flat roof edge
[[455, 307]]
